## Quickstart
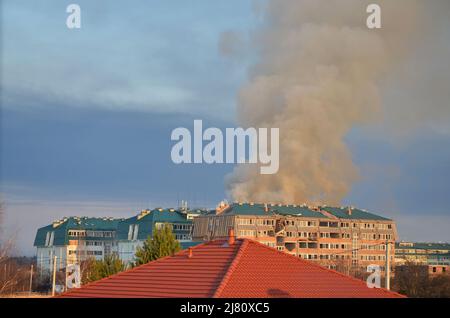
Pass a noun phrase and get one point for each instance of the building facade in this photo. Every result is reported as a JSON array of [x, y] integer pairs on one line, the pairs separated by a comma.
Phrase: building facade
[[434, 256], [134, 231], [334, 237], [76, 239]]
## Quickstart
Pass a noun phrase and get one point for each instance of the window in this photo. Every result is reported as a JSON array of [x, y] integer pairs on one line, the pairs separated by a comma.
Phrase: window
[[250, 233], [94, 243], [77, 233], [96, 253], [434, 269], [182, 227], [133, 230], [245, 222], [49, 238], [265, 222], [182, 237]]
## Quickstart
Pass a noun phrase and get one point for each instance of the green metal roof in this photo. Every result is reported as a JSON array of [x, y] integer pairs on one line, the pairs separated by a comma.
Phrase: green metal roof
[[300, 210], [61, 236], [357, 214], [273, 209], [147, 221], [423, 246]]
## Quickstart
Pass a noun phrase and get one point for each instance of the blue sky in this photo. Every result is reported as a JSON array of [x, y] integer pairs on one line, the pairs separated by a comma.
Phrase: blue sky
[[87, 115]]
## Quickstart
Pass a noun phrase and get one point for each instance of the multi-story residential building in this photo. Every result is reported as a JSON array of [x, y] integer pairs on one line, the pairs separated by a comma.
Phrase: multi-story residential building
[[434, 256], [74, 239], [134, 231], [333, 236]]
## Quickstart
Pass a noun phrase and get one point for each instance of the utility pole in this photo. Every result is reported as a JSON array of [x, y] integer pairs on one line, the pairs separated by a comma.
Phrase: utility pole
[[388, 267], [54, 275], [31, 279]]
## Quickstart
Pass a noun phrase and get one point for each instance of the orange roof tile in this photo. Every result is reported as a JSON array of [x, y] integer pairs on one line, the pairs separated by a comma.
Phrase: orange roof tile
[[216, 269]]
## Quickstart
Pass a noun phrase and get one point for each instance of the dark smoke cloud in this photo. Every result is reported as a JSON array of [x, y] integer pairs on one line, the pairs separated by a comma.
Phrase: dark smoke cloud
[[320, 73]]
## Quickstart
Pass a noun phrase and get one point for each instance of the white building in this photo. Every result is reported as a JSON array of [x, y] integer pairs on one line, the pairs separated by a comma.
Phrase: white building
[[73, 240]]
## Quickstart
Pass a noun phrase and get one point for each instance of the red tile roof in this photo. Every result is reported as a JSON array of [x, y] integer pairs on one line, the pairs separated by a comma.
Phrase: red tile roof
[[216, 269]]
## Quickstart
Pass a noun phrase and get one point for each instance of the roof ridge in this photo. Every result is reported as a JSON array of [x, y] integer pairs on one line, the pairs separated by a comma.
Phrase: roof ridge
[[318, 266], [231, 268]]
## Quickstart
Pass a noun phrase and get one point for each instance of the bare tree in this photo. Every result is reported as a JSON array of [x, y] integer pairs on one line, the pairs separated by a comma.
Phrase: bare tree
[[4, 246], [9, 270]]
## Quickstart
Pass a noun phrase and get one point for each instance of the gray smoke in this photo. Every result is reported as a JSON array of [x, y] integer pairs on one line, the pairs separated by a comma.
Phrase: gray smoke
[[319, 74]]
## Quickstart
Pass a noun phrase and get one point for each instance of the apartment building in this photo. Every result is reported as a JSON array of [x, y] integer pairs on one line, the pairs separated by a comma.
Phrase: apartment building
[[133, 231], [336, 237], [76, 239], [73, 240], [434, 256]]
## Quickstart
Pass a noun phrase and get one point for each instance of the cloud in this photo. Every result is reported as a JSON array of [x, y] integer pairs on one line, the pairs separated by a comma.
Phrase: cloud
[[322, 72], [142, 97], [231, 44], [138, 58]]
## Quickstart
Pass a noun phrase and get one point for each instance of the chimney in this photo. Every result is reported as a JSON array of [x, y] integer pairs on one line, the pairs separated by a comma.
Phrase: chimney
[[266, 208], [349, 211], [231, 237], [190, 252]]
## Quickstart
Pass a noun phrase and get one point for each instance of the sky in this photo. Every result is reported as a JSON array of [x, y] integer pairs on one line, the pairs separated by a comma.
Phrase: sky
[[86, 116]]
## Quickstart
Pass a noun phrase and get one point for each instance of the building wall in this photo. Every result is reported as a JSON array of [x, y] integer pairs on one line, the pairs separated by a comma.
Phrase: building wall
[[82, 244], [45, 255], [126, 249], [434, 256], [438, 269], [331, 242]]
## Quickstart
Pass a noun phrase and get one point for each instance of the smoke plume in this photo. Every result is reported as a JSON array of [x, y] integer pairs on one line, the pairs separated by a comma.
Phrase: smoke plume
[[319, 74]]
